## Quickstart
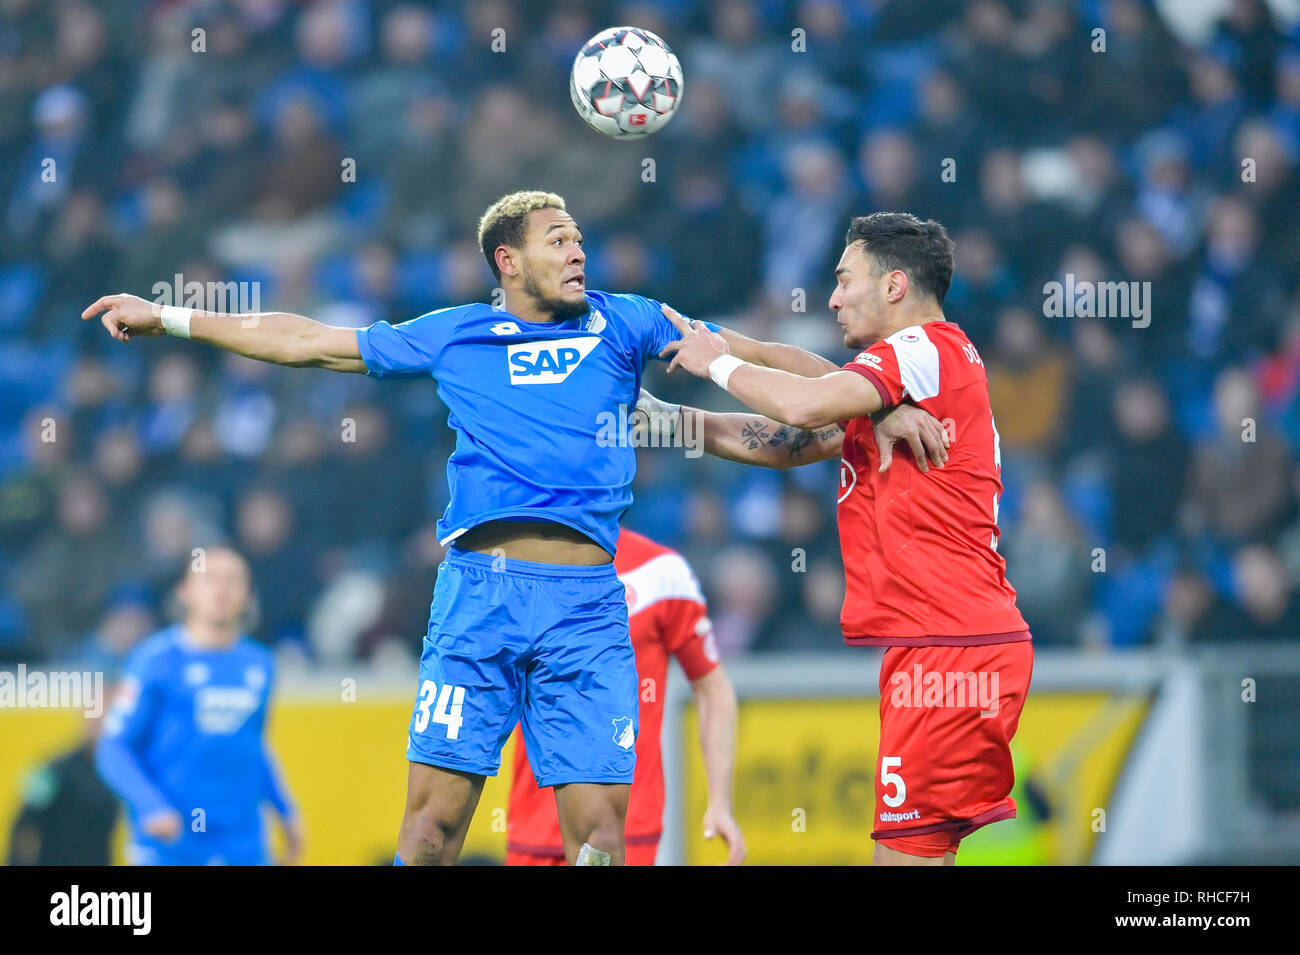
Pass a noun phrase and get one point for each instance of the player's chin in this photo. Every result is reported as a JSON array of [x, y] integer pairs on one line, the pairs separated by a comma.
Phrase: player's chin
[[572, 303]]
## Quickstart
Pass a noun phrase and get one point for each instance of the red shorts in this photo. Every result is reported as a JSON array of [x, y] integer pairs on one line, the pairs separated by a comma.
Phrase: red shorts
[[947, 716], [642, 853]]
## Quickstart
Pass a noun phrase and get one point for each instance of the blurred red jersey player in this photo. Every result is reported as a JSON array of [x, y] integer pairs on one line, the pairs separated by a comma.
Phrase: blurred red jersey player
[[667, 615]]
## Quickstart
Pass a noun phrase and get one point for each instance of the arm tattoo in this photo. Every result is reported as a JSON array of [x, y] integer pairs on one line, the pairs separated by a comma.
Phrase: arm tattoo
[[795, 440], [754, 433]]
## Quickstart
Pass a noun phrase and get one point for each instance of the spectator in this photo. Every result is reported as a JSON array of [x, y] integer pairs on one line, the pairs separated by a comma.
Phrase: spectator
[[1028, 384], [1265, 595], [1248, 30], [281, 561], [802, 228], [1049, 562], [68, 572], [1235, 289], [1240, 477], [1149, 467], [743, 596]]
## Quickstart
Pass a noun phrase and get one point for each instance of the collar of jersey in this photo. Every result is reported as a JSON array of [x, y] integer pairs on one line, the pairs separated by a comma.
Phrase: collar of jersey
[[539, 325]]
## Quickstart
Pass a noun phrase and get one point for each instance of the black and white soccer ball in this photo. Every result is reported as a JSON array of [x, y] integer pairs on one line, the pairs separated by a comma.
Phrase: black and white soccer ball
[[626, 82]]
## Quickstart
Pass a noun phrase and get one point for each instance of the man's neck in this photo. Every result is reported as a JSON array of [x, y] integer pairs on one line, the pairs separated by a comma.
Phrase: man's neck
[[525, 307], [210, 636], [915, 317]]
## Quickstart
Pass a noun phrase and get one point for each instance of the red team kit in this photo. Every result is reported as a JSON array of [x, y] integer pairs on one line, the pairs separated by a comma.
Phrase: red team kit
[[924, 579]]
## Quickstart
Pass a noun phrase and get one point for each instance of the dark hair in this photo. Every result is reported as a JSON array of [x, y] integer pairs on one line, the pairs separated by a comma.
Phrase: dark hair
[[919, 248]]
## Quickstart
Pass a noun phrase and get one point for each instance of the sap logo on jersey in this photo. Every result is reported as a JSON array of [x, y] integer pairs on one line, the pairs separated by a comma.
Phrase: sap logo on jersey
[[222, 710], [548, 363]]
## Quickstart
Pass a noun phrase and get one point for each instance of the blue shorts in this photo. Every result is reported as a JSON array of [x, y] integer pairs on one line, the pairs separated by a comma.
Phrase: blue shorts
[[545, 645]]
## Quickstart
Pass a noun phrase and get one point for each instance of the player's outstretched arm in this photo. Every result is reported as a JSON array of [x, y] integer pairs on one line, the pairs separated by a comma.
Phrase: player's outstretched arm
[[715, 699], [747, 438], [797, 361], [753, 439], [281, 338], [807, 403]]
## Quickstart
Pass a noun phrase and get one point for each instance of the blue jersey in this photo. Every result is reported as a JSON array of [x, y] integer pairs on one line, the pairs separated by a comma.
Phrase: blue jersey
[[540, 410], [185, 733]]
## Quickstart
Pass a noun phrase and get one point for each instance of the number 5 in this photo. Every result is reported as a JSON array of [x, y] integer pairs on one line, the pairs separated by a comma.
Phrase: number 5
[[886, 777]]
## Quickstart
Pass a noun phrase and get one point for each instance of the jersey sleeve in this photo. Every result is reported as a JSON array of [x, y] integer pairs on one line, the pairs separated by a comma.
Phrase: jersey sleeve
[[690, 633], [117, 755], [653, 329], [684, 623], [277, 793], [405, 350], [904, 365]]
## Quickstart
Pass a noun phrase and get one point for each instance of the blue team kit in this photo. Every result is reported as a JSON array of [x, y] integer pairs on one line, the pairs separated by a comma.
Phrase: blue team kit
[[185, 733], [516, 641]]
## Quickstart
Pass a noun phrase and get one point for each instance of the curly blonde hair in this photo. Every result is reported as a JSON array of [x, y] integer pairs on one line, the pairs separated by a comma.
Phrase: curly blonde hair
[[506, 221]]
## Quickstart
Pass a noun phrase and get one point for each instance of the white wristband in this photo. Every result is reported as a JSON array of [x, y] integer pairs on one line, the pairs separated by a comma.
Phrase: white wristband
[[176, 320], [721, 368]]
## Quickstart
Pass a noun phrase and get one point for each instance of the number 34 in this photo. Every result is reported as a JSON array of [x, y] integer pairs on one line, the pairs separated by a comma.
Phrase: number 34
[[455, 695]]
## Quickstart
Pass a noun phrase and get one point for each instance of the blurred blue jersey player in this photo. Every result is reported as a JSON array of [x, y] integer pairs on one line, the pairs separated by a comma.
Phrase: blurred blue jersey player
[[528, 622], [182, 744]]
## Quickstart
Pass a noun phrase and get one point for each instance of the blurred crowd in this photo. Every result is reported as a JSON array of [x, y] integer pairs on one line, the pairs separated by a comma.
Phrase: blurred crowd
[[336, 154]]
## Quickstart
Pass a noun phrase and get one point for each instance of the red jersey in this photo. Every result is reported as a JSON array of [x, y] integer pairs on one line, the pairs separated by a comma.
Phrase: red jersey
[[920, 550], [667, 614]]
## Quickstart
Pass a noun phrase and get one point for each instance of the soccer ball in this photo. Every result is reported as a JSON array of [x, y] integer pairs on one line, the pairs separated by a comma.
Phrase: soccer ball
[[626, 82]]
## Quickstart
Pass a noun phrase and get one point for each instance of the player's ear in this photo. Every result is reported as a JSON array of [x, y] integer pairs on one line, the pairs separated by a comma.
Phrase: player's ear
[[505, 259], [897, 286]]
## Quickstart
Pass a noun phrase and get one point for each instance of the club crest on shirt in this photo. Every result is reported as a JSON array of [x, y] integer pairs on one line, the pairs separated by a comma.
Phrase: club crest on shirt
[[624, 732], [848, 480]]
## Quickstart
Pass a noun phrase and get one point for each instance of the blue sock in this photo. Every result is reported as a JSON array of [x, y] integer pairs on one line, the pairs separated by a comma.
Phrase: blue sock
[[397, 859]]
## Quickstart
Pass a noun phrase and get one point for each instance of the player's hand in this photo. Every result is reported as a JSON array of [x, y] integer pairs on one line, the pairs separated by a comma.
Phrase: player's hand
[[164, 825], [921, 430], [719, 822], [127, 316], [697, 348], [293, 841], [655, 421]]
